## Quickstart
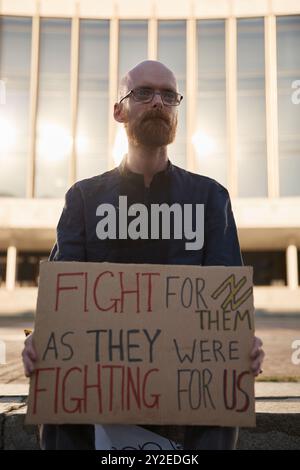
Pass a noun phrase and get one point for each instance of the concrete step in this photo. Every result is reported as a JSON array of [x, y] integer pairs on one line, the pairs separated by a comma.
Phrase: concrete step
[[278, 426], [276, 389]]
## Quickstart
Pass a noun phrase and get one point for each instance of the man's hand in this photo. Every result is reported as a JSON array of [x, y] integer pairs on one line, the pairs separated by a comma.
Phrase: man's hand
[[257, 356], [29, 356]]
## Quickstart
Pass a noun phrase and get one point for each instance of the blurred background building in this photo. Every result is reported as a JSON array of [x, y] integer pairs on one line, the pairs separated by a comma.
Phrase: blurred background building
[[238, 67]]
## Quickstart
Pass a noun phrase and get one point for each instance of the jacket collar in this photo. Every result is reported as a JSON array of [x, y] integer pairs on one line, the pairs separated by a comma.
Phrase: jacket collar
[[131, 175]]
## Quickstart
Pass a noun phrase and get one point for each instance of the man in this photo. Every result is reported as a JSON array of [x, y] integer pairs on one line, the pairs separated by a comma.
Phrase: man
[[147, 107]]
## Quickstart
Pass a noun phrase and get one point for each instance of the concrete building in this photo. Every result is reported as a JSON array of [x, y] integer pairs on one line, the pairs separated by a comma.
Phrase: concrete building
[[238, 67]]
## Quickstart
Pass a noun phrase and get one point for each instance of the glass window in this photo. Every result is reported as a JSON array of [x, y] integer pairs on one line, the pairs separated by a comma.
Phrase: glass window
[[251, 113], [209, 138], [133, 44], [54, 141], [288, 72], [2, 268], [92, 120], [172, 52], [15, 54], [299, 267], [269, 267], [28, 267], [133, 48]]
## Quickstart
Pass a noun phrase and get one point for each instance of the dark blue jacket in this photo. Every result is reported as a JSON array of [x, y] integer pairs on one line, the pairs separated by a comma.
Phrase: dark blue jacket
[[76, 231], [77, 241]]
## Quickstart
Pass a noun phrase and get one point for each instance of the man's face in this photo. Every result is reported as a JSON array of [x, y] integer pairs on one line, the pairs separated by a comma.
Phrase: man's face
[[151, 124]]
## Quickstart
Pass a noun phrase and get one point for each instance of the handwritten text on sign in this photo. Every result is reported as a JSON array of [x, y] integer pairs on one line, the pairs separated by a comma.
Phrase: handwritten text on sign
[[143, 344]]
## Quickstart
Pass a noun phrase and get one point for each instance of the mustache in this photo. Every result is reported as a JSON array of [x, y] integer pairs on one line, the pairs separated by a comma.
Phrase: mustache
[[156, 114]]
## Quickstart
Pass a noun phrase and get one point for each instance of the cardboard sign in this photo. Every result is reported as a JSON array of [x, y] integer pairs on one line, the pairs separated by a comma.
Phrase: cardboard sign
[[143, 344]]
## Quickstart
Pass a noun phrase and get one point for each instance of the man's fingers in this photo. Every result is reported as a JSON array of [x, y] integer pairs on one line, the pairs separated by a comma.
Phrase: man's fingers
[[257, 342], [256, 349], [29, 348], [254, 353], [257, 372], [32, 354], [256, 364], [29, 356], [28, 366]]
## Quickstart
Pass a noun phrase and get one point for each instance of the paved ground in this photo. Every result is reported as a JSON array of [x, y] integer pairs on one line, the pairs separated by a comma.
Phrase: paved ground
[[11, 332], [277, 331]]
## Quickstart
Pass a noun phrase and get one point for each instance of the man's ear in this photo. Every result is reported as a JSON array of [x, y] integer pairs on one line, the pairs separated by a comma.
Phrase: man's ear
[[119, 112]]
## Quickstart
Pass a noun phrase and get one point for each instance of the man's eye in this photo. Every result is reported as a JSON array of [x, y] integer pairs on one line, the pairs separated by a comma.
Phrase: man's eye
[[144, 92], [169, 95]]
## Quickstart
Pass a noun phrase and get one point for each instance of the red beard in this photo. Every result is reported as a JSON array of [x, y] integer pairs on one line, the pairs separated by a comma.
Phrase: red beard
[[154, 128]]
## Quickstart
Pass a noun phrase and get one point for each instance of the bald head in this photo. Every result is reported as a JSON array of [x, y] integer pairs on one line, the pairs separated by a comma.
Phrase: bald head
[[148, 73], [148, 123]]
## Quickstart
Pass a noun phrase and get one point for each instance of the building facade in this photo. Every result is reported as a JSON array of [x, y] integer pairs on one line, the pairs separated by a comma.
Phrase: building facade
[[238, 66]]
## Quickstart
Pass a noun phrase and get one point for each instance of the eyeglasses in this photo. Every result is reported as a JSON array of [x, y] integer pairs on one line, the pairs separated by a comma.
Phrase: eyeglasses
[[146, 95]]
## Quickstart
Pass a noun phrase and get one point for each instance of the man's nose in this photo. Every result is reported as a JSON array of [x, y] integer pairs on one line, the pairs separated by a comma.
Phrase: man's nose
[[157, 100]]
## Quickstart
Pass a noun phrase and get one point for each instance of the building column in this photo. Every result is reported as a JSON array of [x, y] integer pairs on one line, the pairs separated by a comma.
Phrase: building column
[[231, 103], [33, 103], [292, 267], [113, 83], [11, 267], [271, 105], [191, 91], [74, 93]]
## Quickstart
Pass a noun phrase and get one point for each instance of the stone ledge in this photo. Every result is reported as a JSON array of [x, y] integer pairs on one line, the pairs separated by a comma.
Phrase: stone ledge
[[274, 431], [278, 426], [14, 435]]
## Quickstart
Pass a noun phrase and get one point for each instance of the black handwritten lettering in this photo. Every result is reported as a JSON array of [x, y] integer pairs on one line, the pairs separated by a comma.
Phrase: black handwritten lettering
[[119, 346], [67, 345], [223, 320], [204, 350], [186, 291], [51, 346], [194, 384]]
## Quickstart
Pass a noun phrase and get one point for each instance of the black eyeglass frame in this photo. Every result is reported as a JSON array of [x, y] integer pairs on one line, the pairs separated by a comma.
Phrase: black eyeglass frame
[[131, 92]]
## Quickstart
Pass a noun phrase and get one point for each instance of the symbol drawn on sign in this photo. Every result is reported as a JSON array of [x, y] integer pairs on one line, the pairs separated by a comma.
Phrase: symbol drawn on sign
[[151, 445], [234, 288]]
